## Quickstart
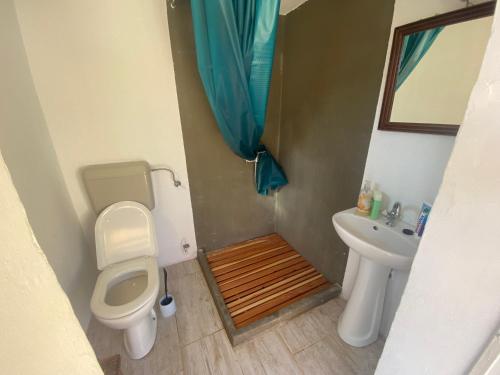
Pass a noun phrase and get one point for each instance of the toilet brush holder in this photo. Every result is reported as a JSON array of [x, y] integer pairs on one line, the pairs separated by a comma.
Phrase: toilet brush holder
[[167, 305]]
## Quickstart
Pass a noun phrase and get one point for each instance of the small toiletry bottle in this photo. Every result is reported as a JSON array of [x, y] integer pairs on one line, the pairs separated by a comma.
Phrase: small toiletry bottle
[[365, 199], [422, 218], [376, 203]]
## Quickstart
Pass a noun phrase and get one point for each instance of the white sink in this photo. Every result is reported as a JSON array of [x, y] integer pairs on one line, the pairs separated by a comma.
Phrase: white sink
[[380, 249], [375, 240]]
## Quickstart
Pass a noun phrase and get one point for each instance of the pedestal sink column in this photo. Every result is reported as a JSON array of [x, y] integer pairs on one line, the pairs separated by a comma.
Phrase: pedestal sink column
[[360, 322]]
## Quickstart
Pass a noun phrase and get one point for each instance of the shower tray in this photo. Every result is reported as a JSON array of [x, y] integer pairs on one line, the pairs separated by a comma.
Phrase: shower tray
[[258, 282]]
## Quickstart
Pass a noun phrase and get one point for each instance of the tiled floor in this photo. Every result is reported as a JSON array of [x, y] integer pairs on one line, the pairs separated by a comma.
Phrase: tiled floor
[[193, 342]]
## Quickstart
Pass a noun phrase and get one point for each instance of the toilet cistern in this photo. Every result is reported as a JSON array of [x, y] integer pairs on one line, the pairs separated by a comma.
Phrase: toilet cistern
[[380, 248]]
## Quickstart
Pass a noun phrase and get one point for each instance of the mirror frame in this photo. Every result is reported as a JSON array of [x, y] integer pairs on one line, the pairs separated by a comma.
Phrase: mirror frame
[[473, 12]]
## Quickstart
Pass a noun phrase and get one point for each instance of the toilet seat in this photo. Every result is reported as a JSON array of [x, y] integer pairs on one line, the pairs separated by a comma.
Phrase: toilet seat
[[117, 272], [125, 230]]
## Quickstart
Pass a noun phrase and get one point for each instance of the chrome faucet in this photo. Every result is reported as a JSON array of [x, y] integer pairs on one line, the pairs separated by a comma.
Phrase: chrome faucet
[[393, 214]]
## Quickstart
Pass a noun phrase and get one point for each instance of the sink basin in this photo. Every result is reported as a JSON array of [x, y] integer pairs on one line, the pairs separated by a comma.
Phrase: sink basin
[[377, 248], [375, 240]]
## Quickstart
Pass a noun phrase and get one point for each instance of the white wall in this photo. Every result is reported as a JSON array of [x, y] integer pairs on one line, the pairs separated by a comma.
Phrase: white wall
[[438, 89], [104, 74], [451, 305], [407, 167], [40, 333], [489, 361], [29, 154]]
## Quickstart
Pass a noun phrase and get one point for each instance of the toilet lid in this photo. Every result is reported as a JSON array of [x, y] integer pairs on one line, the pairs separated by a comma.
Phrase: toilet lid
[[108, 278], [124, 230]]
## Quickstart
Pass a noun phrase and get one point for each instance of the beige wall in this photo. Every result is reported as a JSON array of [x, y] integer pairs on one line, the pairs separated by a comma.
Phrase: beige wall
[[438, 89], [103, 71], [28, 151], [287, 6], [39, 332], [450, 308]]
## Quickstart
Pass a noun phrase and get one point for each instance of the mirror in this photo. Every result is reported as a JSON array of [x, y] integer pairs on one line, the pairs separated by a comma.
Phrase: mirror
[[433, 67]]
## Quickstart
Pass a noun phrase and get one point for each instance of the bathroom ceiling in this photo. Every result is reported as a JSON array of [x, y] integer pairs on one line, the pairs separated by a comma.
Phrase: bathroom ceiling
[[288, 5]]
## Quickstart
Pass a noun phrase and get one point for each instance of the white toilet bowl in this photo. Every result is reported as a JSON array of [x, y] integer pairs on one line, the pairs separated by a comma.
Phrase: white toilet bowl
[[132, 312], [127, 288]]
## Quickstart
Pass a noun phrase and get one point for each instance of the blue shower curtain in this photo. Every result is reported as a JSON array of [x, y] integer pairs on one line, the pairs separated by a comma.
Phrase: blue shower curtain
[[235, 42], [415, 46]]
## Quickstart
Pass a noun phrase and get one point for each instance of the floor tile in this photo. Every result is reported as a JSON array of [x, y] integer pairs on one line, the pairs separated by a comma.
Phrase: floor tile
[[165, 358], [193, 359], [310, 327], [211, 355], [363, 360], [266, 354], [325, 357], [196, 314], [176, 271], [105, 341]]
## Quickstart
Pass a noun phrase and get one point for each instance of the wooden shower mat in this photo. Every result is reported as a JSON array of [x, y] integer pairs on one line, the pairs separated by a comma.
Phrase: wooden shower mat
[[260, 276]]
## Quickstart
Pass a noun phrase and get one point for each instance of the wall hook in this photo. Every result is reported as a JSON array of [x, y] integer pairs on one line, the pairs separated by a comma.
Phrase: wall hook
[[172, 4]]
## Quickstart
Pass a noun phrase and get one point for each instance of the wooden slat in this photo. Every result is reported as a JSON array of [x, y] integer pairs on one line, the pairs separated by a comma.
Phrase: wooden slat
[[260, 276], [262, 308], [230, 250], [249, 260], [256, 267], [242, 323], [275, 289], [223, 286], [249, 250], [243, 290], [290, 289]]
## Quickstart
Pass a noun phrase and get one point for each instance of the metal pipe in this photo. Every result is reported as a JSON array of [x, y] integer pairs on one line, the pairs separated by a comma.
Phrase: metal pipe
[[177, 183]]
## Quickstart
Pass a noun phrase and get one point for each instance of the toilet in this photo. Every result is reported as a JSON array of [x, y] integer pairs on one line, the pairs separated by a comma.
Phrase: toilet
[[127, 286]]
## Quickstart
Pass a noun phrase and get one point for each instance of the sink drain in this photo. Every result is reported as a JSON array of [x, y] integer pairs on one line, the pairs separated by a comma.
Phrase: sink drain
[[375, 227]]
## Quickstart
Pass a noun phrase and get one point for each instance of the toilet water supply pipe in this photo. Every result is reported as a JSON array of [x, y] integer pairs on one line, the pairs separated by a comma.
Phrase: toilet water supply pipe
[[177, 183]]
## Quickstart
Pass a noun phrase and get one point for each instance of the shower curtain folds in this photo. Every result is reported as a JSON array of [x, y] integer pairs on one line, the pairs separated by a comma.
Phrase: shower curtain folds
[[235, 42], [415, 46]]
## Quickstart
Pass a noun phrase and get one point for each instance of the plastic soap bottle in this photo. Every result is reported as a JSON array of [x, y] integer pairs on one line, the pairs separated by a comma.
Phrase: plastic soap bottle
[[376, 203], [365, 199]]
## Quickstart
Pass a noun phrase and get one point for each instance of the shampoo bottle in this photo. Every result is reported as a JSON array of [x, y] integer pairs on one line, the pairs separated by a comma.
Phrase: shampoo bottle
[[365, 199], [376, 203]]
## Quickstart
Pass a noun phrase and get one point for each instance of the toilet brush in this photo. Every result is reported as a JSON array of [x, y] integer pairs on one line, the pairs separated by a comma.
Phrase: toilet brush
[[167, 302], [168, 298]]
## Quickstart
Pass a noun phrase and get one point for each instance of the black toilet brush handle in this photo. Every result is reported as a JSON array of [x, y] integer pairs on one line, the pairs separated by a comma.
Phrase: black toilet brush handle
[[165, 279]]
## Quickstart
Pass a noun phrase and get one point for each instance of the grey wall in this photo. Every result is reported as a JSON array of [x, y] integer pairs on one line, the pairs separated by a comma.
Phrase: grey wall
[[326, 80], [28, 153], [226, 207], [334, 58]]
